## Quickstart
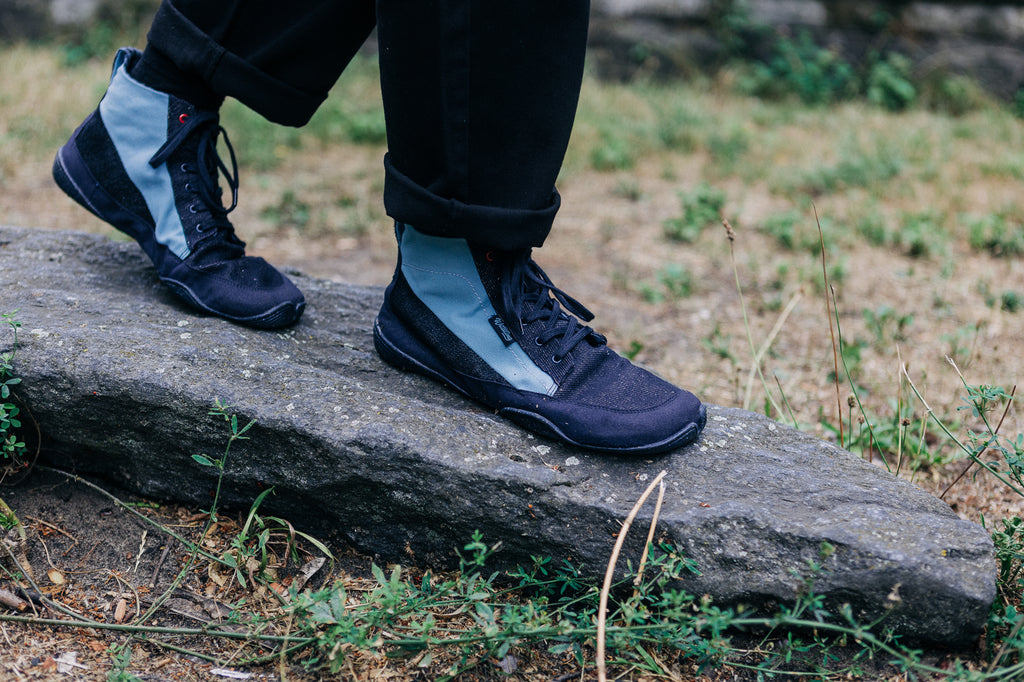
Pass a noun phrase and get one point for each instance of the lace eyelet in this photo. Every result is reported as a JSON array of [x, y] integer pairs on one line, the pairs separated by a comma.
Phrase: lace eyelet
[[199, 228], [184, 168], [188, 187], [192, 208], [557, 360], [538, 341]]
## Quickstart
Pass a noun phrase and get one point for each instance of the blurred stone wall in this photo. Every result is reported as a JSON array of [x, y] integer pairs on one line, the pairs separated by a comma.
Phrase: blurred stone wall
[[44, 19], [677, 37], [980, 39]]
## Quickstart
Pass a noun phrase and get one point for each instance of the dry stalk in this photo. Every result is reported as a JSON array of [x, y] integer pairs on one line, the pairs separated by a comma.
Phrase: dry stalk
[[831, 329], [756, 366], [769, 340], [650, 536], [602, 610]]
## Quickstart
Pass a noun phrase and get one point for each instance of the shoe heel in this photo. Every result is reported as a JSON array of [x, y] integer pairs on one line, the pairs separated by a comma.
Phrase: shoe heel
[[68, 186]]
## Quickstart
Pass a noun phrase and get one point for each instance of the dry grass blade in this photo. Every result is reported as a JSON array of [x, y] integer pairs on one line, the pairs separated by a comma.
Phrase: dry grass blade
[[730, 233], [650, 535], [602, 610], [831, 327]]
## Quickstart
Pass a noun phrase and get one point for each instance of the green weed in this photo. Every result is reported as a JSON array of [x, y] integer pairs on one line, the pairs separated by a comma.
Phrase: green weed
[[120, 660], [12, 446], [886, 325], [889, 82], [855, 168], [628, 189], [614, 152], [1008, 300], [727, 148], [999, 234], [873, 228], [922, 235], [719, 344], [634, 349], [672, 282], [98, 42], [801, 68], [701, 208], [792, 231], [952, 94]]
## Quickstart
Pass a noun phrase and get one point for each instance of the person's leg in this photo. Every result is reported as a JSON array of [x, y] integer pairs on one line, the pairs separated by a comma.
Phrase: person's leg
[[147, 162], [479, 99], [278, 58]]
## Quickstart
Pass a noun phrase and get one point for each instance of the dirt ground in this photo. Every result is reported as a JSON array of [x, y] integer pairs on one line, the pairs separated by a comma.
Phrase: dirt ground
[[607, 242]]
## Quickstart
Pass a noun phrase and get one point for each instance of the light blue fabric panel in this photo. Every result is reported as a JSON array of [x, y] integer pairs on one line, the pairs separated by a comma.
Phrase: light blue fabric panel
[[136, 119], [442, 274]]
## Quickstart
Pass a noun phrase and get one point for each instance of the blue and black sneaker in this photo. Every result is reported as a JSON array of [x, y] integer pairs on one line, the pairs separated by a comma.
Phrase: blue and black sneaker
[[491, 325], [147, 163]]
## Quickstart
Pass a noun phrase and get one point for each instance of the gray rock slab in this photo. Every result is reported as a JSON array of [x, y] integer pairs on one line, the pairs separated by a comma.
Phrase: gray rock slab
[[120, 378]]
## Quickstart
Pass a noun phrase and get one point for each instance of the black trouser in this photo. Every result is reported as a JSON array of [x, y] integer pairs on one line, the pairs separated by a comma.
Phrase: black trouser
[[479, 95]]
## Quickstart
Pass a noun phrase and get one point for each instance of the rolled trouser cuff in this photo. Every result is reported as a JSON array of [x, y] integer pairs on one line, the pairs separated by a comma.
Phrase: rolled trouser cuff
[[227, 74], [486, 226]]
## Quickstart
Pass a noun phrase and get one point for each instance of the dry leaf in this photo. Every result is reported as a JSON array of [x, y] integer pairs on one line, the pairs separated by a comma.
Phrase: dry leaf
[[56, 577], [67, 662], [119, 610]]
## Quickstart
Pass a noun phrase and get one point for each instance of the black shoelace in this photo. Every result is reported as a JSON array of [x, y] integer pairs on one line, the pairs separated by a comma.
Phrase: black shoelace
[[209, 166], [529, 295]]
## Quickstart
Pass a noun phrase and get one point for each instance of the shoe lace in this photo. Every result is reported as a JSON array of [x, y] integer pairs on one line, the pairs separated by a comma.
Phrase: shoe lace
[[209, 165], [530, 296]]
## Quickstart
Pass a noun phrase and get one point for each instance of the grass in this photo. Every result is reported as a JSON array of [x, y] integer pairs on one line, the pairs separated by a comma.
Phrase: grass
[[920, 212]]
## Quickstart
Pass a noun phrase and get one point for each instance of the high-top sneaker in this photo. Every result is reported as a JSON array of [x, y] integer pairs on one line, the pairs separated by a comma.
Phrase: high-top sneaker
[[147, 163], [491, 325]]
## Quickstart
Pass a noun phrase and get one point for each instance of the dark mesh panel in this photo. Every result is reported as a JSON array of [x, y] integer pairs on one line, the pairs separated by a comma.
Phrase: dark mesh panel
[[421, 320], [97, 149]]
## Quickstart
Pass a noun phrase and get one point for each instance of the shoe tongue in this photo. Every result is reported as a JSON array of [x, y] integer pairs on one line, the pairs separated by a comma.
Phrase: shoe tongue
[[502, 274], [512, 292]]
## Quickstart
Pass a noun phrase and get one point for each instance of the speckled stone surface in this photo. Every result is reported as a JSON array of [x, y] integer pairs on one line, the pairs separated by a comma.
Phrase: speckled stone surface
[[120, 377]]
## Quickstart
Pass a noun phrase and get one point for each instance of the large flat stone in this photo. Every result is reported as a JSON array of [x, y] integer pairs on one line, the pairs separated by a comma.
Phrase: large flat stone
[[120, 377]]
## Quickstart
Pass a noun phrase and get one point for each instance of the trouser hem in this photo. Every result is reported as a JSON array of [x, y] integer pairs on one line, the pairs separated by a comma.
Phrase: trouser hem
[[227, 74], [485, 226]]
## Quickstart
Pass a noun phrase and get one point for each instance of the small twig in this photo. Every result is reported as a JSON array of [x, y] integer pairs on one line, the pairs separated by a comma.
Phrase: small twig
[[53, 527], [131, 587], [12, 601], [117, 501], [602, 611], [160, 564], [650, 536], [152, 629], [42, 598]]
